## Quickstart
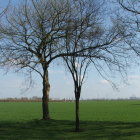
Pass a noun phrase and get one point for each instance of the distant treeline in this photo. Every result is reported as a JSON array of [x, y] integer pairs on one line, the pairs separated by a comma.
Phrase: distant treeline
[[38, 99], [34, 99]]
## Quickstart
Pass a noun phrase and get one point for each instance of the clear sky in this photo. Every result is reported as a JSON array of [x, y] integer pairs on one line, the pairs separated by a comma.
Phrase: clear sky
[[14, 85]]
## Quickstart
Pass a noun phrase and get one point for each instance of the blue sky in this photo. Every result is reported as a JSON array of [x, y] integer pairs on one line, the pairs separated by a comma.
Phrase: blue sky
[[14, 85]]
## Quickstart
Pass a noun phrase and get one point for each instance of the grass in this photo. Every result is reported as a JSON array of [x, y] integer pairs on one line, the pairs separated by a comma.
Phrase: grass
[[100, 120]]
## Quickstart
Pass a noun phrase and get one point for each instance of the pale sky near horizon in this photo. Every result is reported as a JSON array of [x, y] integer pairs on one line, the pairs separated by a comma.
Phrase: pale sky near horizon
[[13, 85]]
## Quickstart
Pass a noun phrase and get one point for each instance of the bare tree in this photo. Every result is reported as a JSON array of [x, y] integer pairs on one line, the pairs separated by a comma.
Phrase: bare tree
[[77, 64], [77, 67], [31, 33], [91, 43]]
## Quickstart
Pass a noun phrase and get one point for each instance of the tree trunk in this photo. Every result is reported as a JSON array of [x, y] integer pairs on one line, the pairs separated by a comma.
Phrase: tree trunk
[[45, 98], [77, 124]]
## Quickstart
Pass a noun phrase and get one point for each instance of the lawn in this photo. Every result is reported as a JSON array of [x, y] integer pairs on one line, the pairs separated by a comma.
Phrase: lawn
[[100, 120]]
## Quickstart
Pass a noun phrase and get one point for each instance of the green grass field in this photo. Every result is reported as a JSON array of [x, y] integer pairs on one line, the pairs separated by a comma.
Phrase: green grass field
[[100, 120]]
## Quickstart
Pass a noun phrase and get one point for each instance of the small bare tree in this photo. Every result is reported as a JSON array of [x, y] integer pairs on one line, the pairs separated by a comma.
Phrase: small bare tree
[[93, 44], [77, 67]]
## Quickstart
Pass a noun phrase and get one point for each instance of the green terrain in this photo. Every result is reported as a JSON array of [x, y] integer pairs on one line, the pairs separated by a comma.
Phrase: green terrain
[[100, 120]]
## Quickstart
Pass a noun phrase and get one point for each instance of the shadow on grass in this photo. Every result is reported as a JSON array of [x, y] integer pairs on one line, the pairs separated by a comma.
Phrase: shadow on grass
[[58, 129], [136, 104]]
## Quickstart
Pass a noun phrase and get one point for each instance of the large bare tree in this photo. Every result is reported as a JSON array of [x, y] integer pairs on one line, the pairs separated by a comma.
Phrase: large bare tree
[[30, 33]]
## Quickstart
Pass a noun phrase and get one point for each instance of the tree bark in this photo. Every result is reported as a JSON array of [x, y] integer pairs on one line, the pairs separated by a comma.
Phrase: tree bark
[[77, 124], [45, 98]]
